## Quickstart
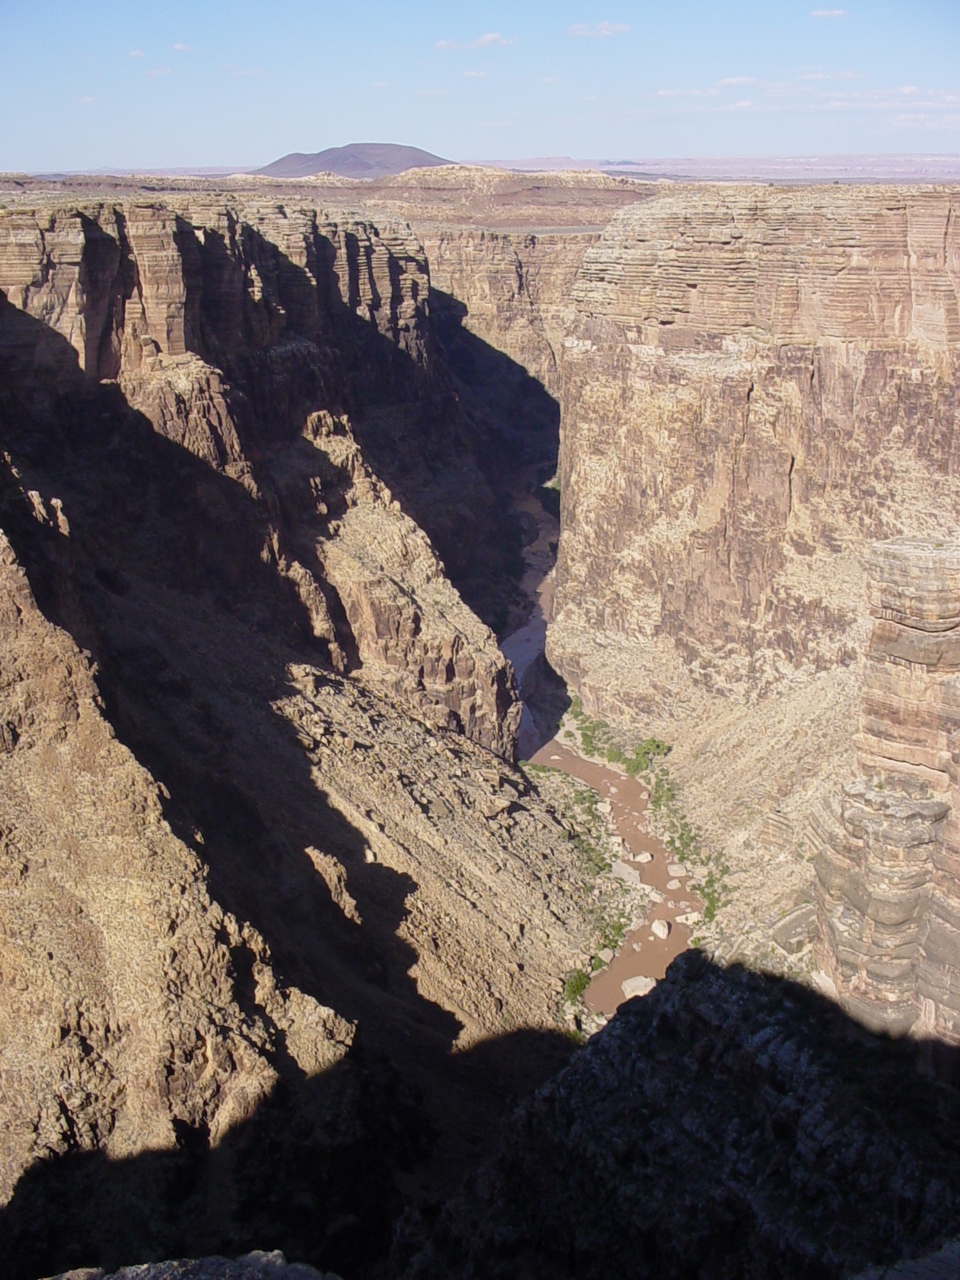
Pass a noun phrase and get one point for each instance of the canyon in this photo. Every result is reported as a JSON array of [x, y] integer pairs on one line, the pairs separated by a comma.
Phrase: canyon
[[758, 384], [288, 935]]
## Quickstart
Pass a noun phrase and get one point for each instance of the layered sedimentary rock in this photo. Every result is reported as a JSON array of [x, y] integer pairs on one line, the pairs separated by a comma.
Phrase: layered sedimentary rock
[[887, 851], [119, 1005], [757, 384], [265, 864], [230, 329], [301, 862], [504, 251], [756, 380], [513, 289]]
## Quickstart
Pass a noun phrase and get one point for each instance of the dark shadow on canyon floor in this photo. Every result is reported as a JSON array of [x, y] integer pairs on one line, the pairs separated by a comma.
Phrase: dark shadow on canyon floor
[[162, 580]]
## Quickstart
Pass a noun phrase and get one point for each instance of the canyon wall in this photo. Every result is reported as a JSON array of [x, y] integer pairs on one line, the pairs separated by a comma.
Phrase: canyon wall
[[757, 383], [514, 290], [888, 893], [231, 329], [265, 858]]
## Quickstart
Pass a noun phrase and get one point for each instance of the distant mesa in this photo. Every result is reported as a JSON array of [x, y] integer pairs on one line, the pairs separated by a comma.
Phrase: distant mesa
[[357, 160]]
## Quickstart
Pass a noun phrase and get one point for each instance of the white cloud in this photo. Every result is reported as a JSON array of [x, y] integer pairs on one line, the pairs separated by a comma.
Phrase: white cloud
[[730, 81], [476, 75], [432, 93], [491, 39], [891, 100], [86, 101], [137, 53], [380, 84], [687, 93], [158, 71], [183, 48], [599, 29], [246, 71], [828, 13], [839, 75]]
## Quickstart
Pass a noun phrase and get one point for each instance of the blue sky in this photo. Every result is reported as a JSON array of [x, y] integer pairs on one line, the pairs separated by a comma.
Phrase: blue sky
[[87, 84]]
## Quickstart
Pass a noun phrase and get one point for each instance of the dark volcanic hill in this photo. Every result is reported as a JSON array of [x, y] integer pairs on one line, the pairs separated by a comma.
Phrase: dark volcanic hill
[[356, 160]]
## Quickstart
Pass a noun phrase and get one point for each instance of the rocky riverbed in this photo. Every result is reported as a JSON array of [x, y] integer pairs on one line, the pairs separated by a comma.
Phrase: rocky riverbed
[[645, 865]]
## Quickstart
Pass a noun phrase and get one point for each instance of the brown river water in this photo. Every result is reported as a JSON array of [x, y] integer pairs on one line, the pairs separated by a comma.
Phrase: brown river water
[[644, 954]]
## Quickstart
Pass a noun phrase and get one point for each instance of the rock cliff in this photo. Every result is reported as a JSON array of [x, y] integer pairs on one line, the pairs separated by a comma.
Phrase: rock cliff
[[512, 290], [282, 927], [755, 380], [888, 891], [758, 383], [231, 329], [726, 1125], [264, 860]]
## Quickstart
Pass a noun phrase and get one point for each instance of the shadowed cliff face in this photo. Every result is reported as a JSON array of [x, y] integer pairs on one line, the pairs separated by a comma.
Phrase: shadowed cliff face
[[728, 1125], [237, 331], [250, 902]]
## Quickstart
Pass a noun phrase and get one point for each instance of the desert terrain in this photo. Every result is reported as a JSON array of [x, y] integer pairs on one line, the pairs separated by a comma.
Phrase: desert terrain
[[478, 711]]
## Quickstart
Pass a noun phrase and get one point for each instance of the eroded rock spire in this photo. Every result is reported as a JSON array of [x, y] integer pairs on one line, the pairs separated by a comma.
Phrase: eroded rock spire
[[888, 844]]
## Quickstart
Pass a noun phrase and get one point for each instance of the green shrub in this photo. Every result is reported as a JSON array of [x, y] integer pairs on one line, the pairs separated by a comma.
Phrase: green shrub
[[575, 985]]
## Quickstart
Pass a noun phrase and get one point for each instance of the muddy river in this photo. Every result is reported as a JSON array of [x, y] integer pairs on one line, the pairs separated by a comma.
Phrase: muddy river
[[674, 910], [645, 953]]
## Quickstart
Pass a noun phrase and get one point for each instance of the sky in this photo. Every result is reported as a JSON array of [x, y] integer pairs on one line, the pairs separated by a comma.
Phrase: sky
[[87, 84]]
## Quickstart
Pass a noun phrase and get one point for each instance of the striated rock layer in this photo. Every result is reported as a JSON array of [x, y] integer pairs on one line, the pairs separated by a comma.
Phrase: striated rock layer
[[265, 859], [757, 384], [888, 857], [230, 329], [756, 380], [513, 289]]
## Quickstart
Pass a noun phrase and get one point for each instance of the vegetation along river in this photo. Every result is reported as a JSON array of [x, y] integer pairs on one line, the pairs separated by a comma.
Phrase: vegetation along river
[[674, 910]]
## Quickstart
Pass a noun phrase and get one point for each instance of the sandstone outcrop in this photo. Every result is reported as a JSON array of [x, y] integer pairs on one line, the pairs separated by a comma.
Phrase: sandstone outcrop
[[191, 948], [283, 927], [755, 382], [120, 1014], [887, 851], [263, 870], [515, 290]]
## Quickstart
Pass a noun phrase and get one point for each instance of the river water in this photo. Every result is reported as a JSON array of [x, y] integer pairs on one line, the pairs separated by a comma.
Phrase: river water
[[645, 953]]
